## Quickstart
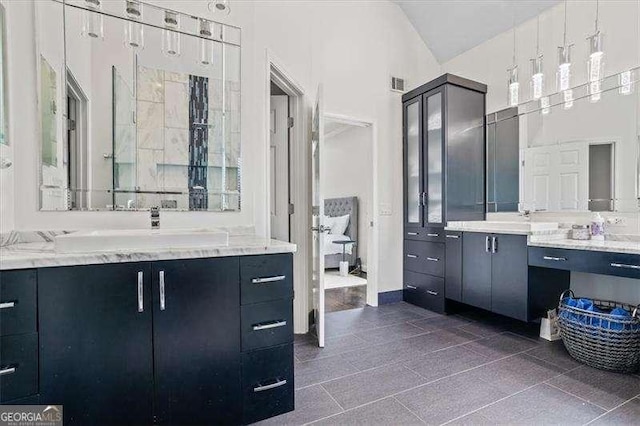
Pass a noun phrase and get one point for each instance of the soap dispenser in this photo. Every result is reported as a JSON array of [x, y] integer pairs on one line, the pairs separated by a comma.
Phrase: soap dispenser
[[597, 227]]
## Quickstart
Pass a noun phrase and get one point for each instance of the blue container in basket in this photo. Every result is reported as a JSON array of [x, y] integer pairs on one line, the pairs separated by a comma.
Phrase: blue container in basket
[[600, 333]]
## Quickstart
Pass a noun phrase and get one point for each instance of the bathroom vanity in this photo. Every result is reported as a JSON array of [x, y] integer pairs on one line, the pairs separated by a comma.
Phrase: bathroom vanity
[[189, 336]]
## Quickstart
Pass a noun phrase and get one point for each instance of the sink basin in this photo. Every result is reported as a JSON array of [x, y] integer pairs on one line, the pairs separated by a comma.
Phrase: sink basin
[[498, 225], [139, 239]]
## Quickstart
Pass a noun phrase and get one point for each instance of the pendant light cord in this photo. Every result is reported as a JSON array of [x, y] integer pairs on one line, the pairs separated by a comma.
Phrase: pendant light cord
[[564, 41], [597, 14], [538, 37]]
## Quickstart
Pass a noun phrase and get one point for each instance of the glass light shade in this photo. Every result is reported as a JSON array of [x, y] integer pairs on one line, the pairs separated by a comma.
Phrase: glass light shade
[[625, 81], [134, 31], [595, 62], [206, 45], [537, 78], [92, 20], [544, 105], [514, 86], [220, 6], [171, 41], [568, 98], [564, 68]]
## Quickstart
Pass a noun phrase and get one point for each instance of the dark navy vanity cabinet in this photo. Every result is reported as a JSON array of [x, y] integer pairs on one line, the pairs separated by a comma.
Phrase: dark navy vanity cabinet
[[198, 341]]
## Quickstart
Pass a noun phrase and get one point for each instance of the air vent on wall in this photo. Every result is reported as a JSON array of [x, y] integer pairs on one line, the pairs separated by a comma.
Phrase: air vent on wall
[[397, 84]]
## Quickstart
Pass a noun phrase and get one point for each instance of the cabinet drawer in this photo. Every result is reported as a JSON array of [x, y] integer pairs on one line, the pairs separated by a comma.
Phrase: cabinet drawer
[[423, 290], [267, 383], [264, 278], [17, 302], [18, 366], [553, 258], [594, 262], [424, 257], [267, 324], [435, 235]]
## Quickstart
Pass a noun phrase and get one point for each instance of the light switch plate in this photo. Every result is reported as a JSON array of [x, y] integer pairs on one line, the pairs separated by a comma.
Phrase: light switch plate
[[386, 209]]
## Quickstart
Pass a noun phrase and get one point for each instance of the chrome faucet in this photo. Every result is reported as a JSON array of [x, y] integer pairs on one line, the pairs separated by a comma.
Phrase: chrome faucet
[[155, 217]]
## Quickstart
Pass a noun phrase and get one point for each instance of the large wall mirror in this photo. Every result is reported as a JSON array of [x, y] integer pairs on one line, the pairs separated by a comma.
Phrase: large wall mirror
[[569, 152], [139, 107]]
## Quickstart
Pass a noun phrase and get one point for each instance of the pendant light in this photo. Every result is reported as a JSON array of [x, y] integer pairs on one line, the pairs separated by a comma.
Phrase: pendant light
[[564, 66], [595, 63], [220, 6], [171, 35], [514, 86], [625, 82], [206, 45], [92, 20], [537, 74], [134, 30]]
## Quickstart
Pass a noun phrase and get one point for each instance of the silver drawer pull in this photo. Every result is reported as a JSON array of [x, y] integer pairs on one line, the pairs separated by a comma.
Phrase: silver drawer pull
[[412, 233], [277, 384], [7, 305], [412, 256], [433, 259], [267, 325], [625, 266], [433, 293], [453, 236], [162, 300], [7, 370], [432, 235], [268, 279], [555, 259], [140, 293], [412, 287]]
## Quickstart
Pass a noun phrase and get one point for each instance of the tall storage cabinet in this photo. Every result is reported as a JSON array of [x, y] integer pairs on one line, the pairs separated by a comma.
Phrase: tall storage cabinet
[[444, 177]]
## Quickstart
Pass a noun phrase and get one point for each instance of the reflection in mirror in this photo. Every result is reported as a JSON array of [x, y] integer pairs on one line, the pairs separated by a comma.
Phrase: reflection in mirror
[[152, 113], [3, 79]]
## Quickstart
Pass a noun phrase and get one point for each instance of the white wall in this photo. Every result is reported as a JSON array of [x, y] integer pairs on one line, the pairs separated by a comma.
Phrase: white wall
[[346, 170], [352, 47], [6, 151]]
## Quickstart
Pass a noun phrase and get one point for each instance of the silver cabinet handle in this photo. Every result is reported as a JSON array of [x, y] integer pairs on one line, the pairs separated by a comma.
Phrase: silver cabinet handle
[[433, 293], [557, 259], [140, 294], [624, 266], [268, 279], [162, 301], [494, 244], [453, 236], [7, 305], [7, 370], [432, 235], [277, 384], [433, 259], [487, 244], [412, 256], [423, 198], [412, 287], [412, 233], [267, 325]]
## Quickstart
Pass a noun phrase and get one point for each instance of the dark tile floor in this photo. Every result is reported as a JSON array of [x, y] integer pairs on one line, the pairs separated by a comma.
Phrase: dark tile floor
[[343, 298], [402, 365]]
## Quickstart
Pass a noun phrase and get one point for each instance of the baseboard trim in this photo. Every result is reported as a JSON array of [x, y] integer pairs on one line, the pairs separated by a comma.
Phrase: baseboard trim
[[387, 297]]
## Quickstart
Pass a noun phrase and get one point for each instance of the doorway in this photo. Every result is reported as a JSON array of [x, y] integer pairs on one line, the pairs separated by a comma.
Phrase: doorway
[[280, 123]]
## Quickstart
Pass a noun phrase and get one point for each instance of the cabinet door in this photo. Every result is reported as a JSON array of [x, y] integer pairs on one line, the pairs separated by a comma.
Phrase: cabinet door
[[434, 160], [509, 283], [196, 332], [413, 175], [453, 266], [96, 352], [476, 266]]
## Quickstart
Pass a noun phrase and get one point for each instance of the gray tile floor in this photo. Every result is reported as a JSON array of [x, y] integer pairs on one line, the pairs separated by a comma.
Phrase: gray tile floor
[[402, 365]]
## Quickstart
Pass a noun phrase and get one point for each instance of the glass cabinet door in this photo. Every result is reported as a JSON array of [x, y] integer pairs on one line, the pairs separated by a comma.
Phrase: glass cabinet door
[[412, 159], [434, 160]]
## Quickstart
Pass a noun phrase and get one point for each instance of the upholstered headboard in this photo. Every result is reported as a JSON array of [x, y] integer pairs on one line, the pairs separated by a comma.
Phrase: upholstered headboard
[[342, 206]]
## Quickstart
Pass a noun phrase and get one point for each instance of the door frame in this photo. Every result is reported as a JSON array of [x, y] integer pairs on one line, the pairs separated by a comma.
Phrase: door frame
[[372, 250], [299, 182]]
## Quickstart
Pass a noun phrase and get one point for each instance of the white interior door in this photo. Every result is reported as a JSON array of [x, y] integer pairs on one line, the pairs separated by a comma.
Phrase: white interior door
[[317, 209], [279, 157]]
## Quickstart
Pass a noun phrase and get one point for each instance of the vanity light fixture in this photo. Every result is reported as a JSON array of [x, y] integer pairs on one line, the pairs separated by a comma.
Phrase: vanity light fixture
[[514, 86], [92, 21], [206, 45], [220, 6], [625, 82], [564, 66], [134, 30], [537, 74], [595, 64], [171, 36]]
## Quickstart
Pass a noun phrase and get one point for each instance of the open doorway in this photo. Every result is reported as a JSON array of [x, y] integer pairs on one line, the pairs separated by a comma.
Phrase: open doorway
[[280, 123], [346, 170]]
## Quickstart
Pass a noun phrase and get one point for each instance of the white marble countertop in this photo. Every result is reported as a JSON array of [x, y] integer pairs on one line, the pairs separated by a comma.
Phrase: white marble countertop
[[628, 247], [43, 254], [504, 227]]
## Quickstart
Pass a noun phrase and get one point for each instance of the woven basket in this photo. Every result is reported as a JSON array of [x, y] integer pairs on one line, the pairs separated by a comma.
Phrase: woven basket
[[601, 340]]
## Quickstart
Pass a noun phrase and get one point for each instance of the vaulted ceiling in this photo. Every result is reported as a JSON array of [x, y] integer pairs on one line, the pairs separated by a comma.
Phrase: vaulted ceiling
[[451, 27]]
